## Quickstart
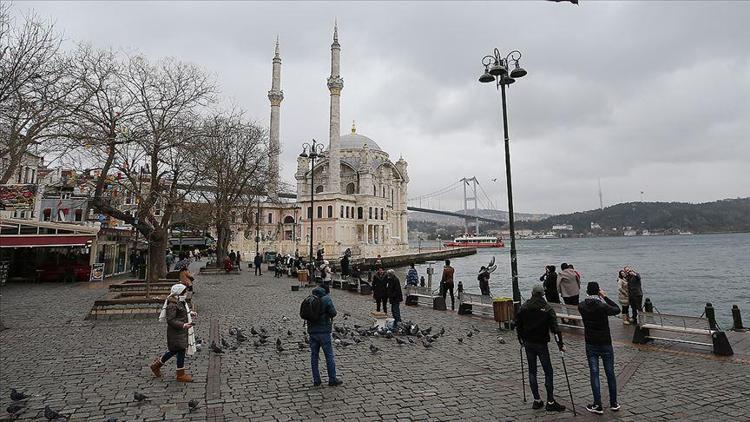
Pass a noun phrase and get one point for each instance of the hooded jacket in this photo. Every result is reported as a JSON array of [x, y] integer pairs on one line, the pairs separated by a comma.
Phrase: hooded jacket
[[535, 320], [595, 313], [324, 323], [568, 283]]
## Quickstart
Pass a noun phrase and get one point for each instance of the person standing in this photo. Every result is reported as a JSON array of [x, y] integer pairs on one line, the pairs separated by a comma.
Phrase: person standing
[[549, 281], [412, 276], [380, 289], [484, 281], [595, 310], [622, 295], [394, 294], [635, 293], [257, 261], [534, 322], [568, 284], [238, 261], [233, 257], [320, 337], [169, 259], [446, 282], [180, 336], [345, 266]]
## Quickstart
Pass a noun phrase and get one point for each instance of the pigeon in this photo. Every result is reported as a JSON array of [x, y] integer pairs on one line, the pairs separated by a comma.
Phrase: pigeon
[[192, 404], [414, 330], [224, 343], [347, 314], [399, 341], [232, 331], [301, 346], [469, 334], [279, 347], [278, 342], [428, 339], [256, 343], [475, 328], [289, 333], [374, 349], [215, 348], [442, 331], [345, 343], [337, 329], [419, 334], [435, 337], [501, 340], [427, 331], [240, 336], [263, 340], [111, 419], [285, 318], [357, 340], [426, 345], [460, 340], [253, 332], [410, 340], [51, 415], [357, 327], [336, 336], [389, 334], [15, 395], [263, 330], [139, 397], [15, 409]]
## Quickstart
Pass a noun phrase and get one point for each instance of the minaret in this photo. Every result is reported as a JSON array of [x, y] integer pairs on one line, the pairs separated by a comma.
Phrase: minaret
[[335, 85], [275, 95]]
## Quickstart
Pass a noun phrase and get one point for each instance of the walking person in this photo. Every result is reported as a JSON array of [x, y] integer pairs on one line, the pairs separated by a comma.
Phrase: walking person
[[412, 276], [623, 296], [595, 310], [549, 281], [320, 337], [180, 336], [635, 293], [257, 261], [394, 294], [568, 284], [380, 289], [446, 282], [535, 320]]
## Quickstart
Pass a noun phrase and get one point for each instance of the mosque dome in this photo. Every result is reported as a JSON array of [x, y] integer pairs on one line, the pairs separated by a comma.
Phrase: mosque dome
[[354, 140]]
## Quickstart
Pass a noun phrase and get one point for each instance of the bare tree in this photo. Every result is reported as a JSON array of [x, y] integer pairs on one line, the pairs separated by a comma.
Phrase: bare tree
[[35, 90], [237, 169]]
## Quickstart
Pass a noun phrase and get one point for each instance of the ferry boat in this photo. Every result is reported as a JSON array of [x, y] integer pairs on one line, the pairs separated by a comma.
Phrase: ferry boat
[[467, 241]]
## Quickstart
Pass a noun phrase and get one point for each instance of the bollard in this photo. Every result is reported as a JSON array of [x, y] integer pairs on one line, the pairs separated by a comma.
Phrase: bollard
[[648, 306], [711, 316], [737, 319]]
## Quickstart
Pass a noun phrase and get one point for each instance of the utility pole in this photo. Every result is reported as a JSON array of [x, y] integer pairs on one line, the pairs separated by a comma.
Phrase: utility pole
[[466, 204]]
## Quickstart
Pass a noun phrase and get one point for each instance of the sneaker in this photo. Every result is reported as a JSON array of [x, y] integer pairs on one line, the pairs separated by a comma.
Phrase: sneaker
[[553, 406], [335, 383], [615, 407], [317, 384], [595, 408], [538, 404]]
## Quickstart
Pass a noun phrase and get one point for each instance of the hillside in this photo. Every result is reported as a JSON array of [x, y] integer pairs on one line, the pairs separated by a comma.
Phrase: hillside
[[728, 215]]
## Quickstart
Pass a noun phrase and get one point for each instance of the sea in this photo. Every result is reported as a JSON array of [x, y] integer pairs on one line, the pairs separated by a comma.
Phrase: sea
[[680, 273]]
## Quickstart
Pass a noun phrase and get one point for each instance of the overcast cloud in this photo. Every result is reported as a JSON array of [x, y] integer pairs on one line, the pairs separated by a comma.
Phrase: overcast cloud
[[646, 96]]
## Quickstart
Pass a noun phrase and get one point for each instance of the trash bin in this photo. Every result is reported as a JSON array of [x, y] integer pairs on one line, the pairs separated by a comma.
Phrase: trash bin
[[503, 309], [302, 276]]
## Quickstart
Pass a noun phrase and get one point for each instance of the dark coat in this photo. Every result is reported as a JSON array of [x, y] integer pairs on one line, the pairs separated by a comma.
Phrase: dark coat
[[177, 337], [324, 323], [380, 286], [595, 315], [634, 285], [257, 260], [394, 289], [549, 281], [535, 320]]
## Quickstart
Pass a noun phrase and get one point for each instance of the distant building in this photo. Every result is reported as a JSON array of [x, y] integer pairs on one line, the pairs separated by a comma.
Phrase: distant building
[[562, 227], [595, 226]]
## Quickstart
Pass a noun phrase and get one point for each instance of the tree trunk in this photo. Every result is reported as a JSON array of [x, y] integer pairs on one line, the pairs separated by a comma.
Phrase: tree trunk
[[223, 234], [157, 265]]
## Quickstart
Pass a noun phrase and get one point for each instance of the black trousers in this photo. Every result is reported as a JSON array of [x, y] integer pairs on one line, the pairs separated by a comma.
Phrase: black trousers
[[572, 300], [384, 301], [449, 288], [636, 304], [257, 270]]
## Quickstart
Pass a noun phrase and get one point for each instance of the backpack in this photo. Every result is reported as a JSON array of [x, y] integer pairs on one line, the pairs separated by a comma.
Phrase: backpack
[[311, 308]]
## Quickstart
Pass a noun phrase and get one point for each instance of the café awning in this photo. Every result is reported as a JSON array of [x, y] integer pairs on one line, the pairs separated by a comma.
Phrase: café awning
[[16, 233]]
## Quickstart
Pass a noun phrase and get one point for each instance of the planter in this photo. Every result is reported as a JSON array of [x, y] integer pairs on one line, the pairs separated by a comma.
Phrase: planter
[[503, 309]]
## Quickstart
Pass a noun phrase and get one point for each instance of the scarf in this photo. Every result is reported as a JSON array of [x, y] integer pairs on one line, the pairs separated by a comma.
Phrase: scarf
[[174, 292]]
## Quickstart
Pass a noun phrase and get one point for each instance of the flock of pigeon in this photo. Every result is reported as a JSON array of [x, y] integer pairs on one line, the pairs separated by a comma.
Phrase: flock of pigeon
[[20, 399]]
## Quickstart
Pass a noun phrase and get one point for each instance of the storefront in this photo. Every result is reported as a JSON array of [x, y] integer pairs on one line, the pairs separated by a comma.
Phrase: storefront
[[113, 249]]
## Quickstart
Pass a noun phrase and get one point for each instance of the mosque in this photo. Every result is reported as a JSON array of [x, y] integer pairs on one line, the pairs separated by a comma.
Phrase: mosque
[[359, 192]]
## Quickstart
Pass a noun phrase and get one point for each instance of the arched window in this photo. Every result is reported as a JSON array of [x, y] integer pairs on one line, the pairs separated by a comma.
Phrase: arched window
[[288, 219], [320, 212], [319, 189], [330, 211], [350, 188]]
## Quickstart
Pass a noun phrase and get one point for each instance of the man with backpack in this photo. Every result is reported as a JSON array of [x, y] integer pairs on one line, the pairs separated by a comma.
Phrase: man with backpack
[[318, 310]]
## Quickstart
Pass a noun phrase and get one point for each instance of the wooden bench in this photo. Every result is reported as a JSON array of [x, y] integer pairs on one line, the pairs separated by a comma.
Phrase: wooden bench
[[474, 304], [681, 329], [417, 294], [566, 314]]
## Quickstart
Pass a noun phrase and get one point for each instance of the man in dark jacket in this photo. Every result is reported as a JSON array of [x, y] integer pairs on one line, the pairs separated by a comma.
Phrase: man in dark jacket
[[635, 292], [257, 261], [446, 282], [549, 280], [595, 310], [534, 322], [320, 336], [394, 294], [380, 289]]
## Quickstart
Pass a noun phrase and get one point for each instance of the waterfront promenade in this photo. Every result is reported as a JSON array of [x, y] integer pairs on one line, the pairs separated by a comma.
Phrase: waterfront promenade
[[90, 369]]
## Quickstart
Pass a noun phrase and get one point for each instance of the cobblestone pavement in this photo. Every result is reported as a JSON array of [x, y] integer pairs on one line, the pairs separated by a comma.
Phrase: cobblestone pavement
[[90, 369]]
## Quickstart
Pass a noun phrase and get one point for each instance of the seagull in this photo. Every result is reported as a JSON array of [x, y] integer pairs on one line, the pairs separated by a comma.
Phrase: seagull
[[373, 349], [51, 415], [193, 404], [15, 395], [139, 397]]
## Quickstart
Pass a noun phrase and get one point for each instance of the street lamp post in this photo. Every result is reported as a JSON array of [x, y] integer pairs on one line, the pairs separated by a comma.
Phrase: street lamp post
[[257, 229], [497, 69], [312, 150]]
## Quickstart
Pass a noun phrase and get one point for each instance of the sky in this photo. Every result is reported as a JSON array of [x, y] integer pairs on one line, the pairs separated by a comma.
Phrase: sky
[[650, 99]]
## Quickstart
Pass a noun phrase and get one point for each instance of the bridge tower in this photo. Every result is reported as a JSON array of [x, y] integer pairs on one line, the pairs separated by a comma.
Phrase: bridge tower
[[474, 182]]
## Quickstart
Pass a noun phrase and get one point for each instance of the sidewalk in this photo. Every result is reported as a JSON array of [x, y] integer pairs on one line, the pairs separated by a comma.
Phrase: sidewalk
[[90, 369]]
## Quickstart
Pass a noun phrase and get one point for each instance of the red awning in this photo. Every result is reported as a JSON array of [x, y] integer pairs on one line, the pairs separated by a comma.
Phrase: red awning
[[33, 241]]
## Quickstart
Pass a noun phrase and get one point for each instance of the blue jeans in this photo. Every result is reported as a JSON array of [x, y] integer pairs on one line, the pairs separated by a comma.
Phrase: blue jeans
[[534, 351], [180, 358], [607, 355], [396, 311], [316, 342]]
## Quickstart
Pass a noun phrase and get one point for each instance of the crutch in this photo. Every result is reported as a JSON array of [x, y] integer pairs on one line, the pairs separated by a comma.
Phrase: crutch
[[523, 376], [565, 369]]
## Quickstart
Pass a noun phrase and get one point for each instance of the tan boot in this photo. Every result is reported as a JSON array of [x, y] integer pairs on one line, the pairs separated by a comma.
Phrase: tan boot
[[625, 319], [156, 367], [182, 376]]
